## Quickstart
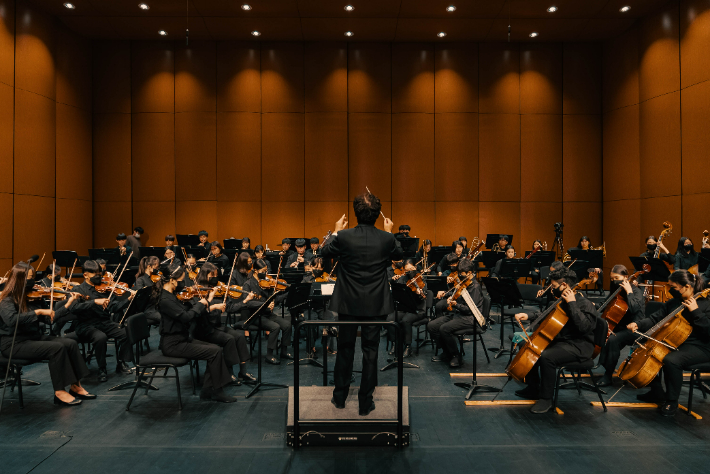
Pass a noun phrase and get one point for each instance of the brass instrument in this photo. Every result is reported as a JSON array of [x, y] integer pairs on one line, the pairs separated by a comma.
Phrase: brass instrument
[[566, 258], [544, 245], [602, 248], [496, 248]]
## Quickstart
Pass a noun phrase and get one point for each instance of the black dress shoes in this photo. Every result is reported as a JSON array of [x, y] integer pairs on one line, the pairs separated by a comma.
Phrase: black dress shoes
[[541, 406], [88, 396], [441, 358], [122, 368], [74, 402], [367, 411], [455, 362], [103, 376], [272, 360], [246, 378], [219, 396], [287, 355], [529, 393], [605, 381], [337, 405], [235, 381]]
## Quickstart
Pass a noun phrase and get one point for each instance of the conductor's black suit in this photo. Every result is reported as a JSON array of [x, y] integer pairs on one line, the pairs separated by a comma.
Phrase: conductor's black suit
[[361, 292]]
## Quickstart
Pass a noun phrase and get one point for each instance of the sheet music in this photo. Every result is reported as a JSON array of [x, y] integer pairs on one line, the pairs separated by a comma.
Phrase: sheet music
[[327, 289], [472, 306]]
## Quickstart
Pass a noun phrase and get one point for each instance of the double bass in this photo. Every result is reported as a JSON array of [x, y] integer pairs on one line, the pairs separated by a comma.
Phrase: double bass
[[553, 320]]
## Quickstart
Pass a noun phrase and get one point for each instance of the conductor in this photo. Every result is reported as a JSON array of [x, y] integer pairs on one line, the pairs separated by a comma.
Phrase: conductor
[[361, 292]]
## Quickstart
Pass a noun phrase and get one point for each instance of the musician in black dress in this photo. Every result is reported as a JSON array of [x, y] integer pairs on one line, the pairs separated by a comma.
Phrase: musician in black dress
[[509, 255], [423, 251], [146, 267], [695, 350], [464, 242], [219, 259], [259, 255], [408, 318], [621, 337], [242, 269], [685, 255], [575, 342], [651, 244], [502, 243], [204, 240], [246, 246]]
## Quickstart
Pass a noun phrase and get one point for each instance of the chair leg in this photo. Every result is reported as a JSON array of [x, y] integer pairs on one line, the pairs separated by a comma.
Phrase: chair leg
[[596, 387], [690, 391], [192, 379], [560, 371], [177, 382], [18, 382], [150, 382], [483, 346], [135, 389]]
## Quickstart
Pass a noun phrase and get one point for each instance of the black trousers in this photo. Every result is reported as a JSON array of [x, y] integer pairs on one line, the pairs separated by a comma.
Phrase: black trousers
[[440, 307], [347, 335], [99, 333], [544, 371], [673, 365], [66, 365], [323, 315], [612, 350], [272, 322], [233, 344], [407, 319], [442, 331], [217, 375]]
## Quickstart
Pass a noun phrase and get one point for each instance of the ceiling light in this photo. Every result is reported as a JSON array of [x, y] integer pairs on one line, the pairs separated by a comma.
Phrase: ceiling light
[[246, 7], [451, 8], [441, 34], [552, 9], [624, 9], [163, 33], [70, 6], [349, 8], [349, 33], [256, 33], [533, 35], [143, 6]]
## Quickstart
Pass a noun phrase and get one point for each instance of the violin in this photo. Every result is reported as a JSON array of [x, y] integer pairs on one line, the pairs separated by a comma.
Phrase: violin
[[191, 273], [192, 292], [121, 288], [269, 283], [325, 278], [40, 292], [156, 276], [235, 291], [417, 282], [460, 287]]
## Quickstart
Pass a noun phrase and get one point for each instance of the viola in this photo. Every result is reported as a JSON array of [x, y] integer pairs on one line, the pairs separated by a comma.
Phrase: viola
[[325, 278], [191, 292], [463, 285], [417, 282], [269, 283], [42, 292]]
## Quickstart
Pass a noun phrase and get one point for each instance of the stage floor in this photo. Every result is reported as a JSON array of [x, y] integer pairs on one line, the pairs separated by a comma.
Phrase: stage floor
[[250, 435]]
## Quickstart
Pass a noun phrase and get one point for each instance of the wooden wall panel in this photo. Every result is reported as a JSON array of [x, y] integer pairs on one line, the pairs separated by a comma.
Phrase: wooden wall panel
[[413, 77], [153, 157], [456, 157], [541, 78], [6, 229], [499, 218], [196, 156], [194, 216], [238, 77], [537, 221], [694, 41], [111, 85], [456, 78], [540, 157], [455, 219], [659, 146], [412, 157], [659, 53], [370, 154], [369, 77], [73, 154], [321, 217], [239, 157], [695, 117], [111, 218], [196, 77], [654, 211], [33, 232], [420, 216], [157, 219], [282, 77], [583, 218], [7, 112], [5, 264], [112, 157], [621, 154], [499, 154], [74, 227], [281, 219], [239, 219], [326, 77], [73, 70], [581, 78], [282, 144], [582, 158], [622, 233], [695, 218], [7, 43], [621, 75], [326, 159], [499, 86], [35, 122], [152, 76], [35, 50]]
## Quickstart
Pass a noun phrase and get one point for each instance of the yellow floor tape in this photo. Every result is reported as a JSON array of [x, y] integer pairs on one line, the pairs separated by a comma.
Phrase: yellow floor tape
[[642, 405], [486, 374], [478, 403]]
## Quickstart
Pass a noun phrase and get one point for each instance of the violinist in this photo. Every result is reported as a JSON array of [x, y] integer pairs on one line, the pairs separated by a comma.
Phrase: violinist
[[246, 246], [242, 269], [218, 259], [685, 255], [191, 269], [422, 255], [395, 270], [269, 320], [314, 273], [285, 251], [407, 319], [204, 240], [574, 342], [452, 262], [124, 250], [297, 259], [94, 320], [696, 348], [146, 268], [175, 338], [312, 252], [134, 241], [48, 281], [66, 364], [509, 255], [535, 272], [442, 328], [169, 254], [447, 263], [621, 337], [259, 255]]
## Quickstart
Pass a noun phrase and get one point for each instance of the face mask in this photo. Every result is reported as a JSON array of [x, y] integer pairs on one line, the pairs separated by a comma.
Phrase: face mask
[[261, 276], [58, 278], [688, 247], [614, 285], [95, 280], [213, 281], [675, 294], [180, 285], [556, 292], [29, 283], [651, 247], [317, 273]]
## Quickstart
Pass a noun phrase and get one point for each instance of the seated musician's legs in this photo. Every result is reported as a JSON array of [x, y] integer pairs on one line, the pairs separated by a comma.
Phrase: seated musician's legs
[[434, 328], [673, 364]]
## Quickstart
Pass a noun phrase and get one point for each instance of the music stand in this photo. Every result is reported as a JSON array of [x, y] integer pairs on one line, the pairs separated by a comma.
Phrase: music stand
[[541, 258], [503, 292], [152, 252], [298, 298], [197, 251], [232, 243], [410, 245], [110, 256], [489, 259], [595, 258], [515, 268], [659, 271], [492, 239], [438, 253], [404, 299], [188, 240]]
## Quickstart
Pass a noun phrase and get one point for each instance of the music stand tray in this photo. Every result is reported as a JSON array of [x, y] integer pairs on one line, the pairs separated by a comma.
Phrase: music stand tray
[[541, 258], [404, 300], [595, 258], [503, 292], [490, 258], [515, 268], [235, 244]]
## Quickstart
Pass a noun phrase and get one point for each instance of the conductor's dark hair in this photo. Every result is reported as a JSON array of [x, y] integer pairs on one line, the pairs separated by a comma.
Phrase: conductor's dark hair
[[90, 266], [466, 266], [620, 270], [367, 208], [684, 277], [121, 236], [564, 275], [681, 247]]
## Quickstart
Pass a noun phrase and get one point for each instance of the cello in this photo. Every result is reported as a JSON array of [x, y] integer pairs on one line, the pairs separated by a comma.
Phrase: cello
[[553, 320], [643, 365], [616, 306]]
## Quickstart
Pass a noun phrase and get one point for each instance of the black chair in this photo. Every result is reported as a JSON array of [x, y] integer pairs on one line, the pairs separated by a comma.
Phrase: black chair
[[138, 331], [600, 333], [15, 375], [529, 294], [461, 335], [695, 381]]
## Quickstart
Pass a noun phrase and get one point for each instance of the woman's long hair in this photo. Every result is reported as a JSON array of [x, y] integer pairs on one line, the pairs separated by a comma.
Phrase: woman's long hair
[[15, 285], [243, 262], [258, 264], [684, 277], [584, 237], [681, 247], [145, 263]]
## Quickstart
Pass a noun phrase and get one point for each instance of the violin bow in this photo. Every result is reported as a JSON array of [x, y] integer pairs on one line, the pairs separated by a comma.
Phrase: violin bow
[[39, 265], [115, 283], [278, 272], [51, 291], [381, 213], [71, 275], [229, 282]]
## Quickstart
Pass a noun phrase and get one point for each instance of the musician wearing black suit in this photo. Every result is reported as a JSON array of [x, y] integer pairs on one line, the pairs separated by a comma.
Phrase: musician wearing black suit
[[575, 342], [298, 258], [621, 337], [361, 292], [313, 251], [134, 241], [509, 255], [446, 264]]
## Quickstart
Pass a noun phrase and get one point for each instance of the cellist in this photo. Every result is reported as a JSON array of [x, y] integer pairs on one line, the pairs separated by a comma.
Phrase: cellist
[[696, 348], [573, 343]]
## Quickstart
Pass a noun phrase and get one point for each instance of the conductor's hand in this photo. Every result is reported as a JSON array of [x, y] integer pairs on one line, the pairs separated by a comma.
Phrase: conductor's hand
[[341, 224], [632, 327], [388, 225], [521, 317]]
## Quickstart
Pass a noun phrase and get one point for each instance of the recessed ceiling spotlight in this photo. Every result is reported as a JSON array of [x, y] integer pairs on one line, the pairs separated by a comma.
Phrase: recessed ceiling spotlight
[[349, 8], [552, 9], [246, 7], [143, 6], [451, 8], [441, 34], [256, 33], [163, 33], [349, 33], [624, 9], [533, 35], [70, 6]]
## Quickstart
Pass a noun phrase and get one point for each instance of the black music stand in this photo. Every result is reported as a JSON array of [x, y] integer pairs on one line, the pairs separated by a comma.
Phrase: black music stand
[[66, 259], [410, 245], [503, 292], [438, 253], [197, 251], [188, 240], [541, 258], [489, 259], [515, 268], [404, 299], [110, 256], [298, 299], [232, 243], [659, 271], [492, 239], [474, 386], [152, 252]]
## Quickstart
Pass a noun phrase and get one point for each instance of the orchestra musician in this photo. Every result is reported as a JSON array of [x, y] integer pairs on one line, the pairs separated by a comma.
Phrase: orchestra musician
[[425, 248], [49, 281], [242, 269], [464, 242], [134, 241], [502, 242], [191, 268], [298, 258], [169, 240], [204, 240], [312, 252], [407, 319], [285, 251], [314, 269], [146, 267], [123, 249], [169, 253], [246, 246], [509, 255], [66, 364], [446, 264], [218, 259], [685, 255], [404, 230], [259, 254]]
